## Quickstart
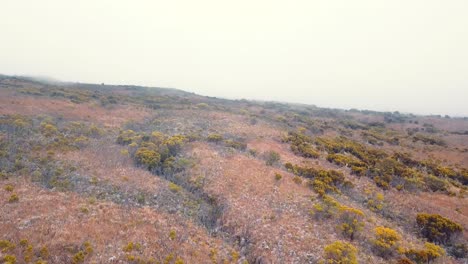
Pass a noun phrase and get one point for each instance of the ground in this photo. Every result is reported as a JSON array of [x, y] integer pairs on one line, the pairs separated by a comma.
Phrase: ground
[[84, 196]]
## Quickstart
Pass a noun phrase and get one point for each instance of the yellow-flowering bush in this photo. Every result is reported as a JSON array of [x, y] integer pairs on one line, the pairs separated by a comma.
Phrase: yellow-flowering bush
[[385, 241], [351, 222], [340, 252]]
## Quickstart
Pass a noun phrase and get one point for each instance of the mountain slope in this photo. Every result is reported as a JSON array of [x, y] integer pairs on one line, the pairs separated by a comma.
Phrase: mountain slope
[[115, 174]]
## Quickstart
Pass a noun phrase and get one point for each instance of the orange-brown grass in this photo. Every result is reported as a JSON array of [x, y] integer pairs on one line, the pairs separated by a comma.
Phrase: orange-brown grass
[[454, 208], [273, 215], [30, 105], [107, 163], [56, 220], [240, 125]]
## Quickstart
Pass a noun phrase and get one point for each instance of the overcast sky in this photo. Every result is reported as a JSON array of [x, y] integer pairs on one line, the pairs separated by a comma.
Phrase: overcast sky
[[406, 55]]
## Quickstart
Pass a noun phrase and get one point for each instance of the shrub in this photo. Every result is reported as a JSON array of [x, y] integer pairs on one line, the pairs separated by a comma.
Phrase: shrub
[[344, 160], [13, 198], [376, 202], [327, 208], [174, 144], [88, 248], [147, 157], [305, 150], [6, 245], [235, 144], [340, 253], [278, 176], [174, 187], [126, 137], [435, 184], [350, 222], [202, 105], [235, 256], [297, 180], [322, 181], [301, 145], [436, 228], [9, 259], [23, 242], [9, 188], [44, 252], [78, 257], [215, 138], [129, 247], [404, 261], [359, 171], [3, 175], [459, 250], [140, 198], [383, 181], [413, 184], [385, 241], [426, 255], [172, 235], [28, 253], [272, 158], [49, 130], [429, 140]]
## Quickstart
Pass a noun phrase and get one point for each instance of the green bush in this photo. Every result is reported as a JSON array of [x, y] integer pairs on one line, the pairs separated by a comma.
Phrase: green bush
[[435, 184], [215, 138], [9, 259], [426, 255], [351, 222], [13, 198], [301, 145], [278, 176], [6, 245], [321, 181], [345, 160], [126, 137], [147, 157], [375, 202], [272, 158], [404, 260], [327, 208], [235, 144], [436, 228]]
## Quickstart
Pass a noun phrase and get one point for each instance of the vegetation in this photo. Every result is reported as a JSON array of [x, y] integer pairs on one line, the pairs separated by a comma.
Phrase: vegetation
[[302, 145], [174, 169], [351, 222], [13, 198], [340, 252], [156, 152], [429, 253], [272, 158], [215, 138], [385, 241], [321, 181], [327, 208], [278, 176], [437, 228]]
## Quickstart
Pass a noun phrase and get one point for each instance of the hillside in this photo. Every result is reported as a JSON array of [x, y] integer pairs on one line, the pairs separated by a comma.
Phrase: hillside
[[127, 174]]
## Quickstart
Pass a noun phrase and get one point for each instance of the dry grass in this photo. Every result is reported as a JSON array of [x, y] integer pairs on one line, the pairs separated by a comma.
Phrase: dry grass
[[107, 163], [56, 220], [273, 216], [33, 106]]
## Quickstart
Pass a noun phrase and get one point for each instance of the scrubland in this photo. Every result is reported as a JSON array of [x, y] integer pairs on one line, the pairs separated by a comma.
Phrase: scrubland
[[127, 174]]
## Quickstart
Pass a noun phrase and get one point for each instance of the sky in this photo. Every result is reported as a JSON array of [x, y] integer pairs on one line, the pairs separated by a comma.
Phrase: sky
[[385, 55]]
